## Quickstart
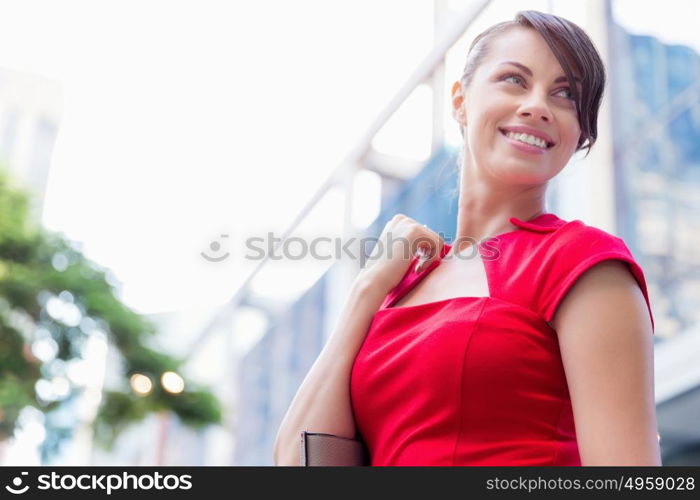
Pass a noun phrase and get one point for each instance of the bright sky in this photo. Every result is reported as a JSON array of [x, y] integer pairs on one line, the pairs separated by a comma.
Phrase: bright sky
[[185, 120], [672, 21]]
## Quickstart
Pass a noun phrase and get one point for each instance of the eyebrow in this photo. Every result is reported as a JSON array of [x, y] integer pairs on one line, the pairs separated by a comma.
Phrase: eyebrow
[[528, 72]]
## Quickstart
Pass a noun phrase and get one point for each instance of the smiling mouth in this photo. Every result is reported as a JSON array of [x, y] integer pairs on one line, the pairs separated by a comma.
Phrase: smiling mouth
[[505, 134]]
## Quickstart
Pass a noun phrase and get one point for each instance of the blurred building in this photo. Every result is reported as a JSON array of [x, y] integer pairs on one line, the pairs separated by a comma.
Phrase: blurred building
[[30, 112]]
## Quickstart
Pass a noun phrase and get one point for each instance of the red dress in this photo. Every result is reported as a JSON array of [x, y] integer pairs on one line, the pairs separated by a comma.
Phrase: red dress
[[480, 380]]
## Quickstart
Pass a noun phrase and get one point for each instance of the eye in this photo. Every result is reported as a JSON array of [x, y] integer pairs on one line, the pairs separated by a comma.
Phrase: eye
[[568, 90], [516, 76], [513, 75]]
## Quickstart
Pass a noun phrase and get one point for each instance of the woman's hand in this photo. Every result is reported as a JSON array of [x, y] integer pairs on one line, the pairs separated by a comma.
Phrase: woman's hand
[[401, 240]]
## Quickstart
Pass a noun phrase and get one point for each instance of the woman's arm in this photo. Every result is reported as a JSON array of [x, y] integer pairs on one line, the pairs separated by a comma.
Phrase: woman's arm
[[607, 348], [322, 403]]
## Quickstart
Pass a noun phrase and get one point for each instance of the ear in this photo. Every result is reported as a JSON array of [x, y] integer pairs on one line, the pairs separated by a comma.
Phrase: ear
[[458, 111]]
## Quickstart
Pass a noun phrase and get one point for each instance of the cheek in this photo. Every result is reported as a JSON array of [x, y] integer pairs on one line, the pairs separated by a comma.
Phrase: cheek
[[570, 134], [575, 136], [483, 132], [573, 126]]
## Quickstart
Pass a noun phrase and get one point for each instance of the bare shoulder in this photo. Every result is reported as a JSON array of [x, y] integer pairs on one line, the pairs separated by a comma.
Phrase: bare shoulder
[[606, 342], [610, 287]]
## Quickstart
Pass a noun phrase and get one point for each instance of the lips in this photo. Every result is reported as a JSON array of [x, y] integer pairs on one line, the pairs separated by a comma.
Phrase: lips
[[531, 131]]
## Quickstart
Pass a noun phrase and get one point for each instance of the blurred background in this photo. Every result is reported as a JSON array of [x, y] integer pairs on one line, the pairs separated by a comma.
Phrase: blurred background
[[142, 144]]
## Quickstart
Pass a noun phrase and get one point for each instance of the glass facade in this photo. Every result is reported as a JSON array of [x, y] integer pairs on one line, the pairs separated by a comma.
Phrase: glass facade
[[656, 114]]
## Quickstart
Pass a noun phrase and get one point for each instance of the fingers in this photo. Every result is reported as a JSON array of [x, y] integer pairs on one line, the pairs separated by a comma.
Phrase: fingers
[[424, 243], [423, 259], [429, 248], [426, 258]]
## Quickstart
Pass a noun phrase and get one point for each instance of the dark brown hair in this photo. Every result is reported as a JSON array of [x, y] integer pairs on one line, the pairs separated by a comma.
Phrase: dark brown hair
[[573, 49]]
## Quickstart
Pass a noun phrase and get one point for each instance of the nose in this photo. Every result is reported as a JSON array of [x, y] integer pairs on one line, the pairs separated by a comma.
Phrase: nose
[[535, 107]]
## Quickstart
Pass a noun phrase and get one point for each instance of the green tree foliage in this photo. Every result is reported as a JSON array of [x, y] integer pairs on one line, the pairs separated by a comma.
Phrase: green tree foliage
[[39, 268]]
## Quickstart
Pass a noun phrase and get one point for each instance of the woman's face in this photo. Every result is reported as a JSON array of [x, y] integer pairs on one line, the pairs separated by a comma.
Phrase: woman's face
[[502, 95]]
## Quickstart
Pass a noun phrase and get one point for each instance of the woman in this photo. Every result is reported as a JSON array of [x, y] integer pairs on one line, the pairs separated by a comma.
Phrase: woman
[[535, 348]]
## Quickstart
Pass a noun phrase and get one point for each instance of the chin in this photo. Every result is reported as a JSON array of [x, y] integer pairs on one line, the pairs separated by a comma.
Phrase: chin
[[524, 174]]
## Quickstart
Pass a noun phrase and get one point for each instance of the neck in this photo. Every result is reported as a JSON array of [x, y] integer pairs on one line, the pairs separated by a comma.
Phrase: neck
[[484, 210]]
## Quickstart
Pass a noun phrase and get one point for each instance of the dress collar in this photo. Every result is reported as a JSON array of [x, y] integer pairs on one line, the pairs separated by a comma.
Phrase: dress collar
[[543, 223]]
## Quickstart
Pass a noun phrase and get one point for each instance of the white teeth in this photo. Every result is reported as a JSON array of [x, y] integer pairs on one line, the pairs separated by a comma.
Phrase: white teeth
[[527, 139]]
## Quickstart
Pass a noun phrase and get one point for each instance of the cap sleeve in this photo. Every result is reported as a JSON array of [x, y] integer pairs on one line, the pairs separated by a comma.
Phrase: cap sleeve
[[573, 254]]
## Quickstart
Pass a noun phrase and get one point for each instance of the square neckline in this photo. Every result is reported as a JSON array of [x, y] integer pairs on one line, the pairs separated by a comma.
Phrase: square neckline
[[411, 279]]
